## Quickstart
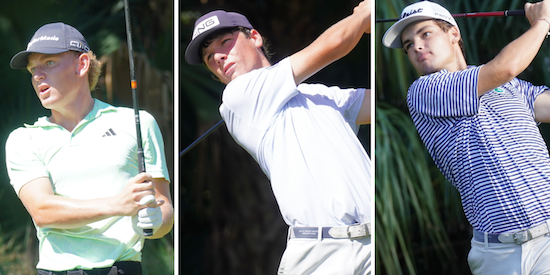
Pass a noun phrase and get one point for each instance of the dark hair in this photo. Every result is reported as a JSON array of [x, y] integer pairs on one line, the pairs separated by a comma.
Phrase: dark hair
[[246, 31], [445, 26]]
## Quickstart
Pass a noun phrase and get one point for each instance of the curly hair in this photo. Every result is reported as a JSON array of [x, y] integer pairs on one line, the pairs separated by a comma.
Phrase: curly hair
[[94, 71]]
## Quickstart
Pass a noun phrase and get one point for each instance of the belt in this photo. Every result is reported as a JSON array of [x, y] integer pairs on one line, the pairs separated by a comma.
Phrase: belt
[[518, 237], [126, 267], [354, 231]]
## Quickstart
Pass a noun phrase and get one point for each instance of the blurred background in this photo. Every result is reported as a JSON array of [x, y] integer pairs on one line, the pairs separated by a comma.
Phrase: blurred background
[[230, 222], [420, 224], [102, 23]]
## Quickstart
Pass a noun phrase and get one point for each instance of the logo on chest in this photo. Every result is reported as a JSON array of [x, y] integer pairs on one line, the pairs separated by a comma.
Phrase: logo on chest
[[109, 133]]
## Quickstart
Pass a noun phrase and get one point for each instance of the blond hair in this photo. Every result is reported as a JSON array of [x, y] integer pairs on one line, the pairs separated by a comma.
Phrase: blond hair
[[94, 71]]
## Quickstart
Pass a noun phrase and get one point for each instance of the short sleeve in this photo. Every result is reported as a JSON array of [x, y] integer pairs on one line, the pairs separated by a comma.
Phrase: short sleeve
[[530, 92], [445, 94], [22, 160], [153, 147]]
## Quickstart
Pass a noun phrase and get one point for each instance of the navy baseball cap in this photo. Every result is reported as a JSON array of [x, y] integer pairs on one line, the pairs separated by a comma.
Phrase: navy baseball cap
[[419, 11], [208, 23], [51, 38]]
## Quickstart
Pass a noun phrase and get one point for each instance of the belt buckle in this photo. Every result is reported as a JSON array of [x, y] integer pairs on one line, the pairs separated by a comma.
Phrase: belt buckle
[[522, 236], [362, 232]]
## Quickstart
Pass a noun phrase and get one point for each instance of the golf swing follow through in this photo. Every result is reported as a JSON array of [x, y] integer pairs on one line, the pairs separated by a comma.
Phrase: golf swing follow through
[[479, 124], [285, 125]]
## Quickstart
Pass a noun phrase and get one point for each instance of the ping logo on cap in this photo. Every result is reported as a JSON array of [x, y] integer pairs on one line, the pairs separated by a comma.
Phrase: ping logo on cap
[[205, 25], [406, 14], [42, 38]]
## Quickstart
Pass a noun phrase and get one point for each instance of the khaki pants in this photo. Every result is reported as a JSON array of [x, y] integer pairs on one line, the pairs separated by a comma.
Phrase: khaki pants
[[530, 258], [327, 256]]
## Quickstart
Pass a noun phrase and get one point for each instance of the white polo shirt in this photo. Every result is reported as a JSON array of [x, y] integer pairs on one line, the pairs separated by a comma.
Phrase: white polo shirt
[[304, 139]]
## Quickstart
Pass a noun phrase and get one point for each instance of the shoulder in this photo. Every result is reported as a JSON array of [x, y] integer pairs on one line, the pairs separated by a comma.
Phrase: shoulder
[[20, 138], [444, 77]]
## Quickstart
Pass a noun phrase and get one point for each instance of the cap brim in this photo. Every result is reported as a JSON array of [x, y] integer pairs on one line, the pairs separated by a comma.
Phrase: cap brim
[[20, 60], [392, 37]]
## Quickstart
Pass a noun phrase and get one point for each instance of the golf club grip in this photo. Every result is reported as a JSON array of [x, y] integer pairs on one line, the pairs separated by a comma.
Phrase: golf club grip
[[515, 13]]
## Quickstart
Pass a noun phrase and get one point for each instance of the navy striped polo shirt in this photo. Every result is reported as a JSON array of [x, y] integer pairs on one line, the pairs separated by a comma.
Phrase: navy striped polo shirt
[[488, 147]]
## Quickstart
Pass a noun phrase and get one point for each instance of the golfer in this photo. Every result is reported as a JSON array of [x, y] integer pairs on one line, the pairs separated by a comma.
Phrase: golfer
[[303, 136], [76, 171], [479, 124]]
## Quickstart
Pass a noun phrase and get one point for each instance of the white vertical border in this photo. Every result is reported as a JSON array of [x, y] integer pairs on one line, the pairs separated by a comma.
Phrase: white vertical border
[[176, 180], [372, 132]]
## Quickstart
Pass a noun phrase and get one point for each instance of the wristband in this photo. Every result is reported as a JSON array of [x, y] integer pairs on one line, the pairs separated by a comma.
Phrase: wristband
[[548, 34]]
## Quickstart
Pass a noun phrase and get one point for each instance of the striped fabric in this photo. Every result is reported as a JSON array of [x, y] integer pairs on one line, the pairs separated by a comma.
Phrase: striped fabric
[[489, 148]]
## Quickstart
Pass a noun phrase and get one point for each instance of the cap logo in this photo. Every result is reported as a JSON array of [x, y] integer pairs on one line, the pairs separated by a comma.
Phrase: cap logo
[[79, 45], [448, 18], [406, 14], [205, 25], [42, 38]]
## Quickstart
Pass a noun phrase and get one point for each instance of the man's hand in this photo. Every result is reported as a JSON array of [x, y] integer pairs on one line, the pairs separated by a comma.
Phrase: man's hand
[[128, 202], [537, 11], [364, 8], [147, 218]]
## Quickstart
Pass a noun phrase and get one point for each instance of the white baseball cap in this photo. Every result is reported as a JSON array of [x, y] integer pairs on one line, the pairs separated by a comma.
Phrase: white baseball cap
[[419, 11]]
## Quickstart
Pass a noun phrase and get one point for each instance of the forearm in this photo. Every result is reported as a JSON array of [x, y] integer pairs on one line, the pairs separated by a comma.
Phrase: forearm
[[67, 213], [513, 59], [517, 55], [333, 44], [50, 210]]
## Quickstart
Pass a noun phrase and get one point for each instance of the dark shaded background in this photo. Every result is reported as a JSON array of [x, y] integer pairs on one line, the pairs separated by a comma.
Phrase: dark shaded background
[[102, 23], [230, 222]]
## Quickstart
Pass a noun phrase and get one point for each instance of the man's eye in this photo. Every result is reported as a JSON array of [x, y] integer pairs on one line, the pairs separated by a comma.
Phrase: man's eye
[[49, 62]]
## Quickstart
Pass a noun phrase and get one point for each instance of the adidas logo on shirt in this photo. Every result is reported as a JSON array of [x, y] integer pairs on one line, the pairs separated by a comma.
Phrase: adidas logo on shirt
[[109, 133]]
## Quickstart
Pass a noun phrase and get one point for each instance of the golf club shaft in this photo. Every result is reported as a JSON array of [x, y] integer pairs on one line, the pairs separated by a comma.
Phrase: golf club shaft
[[203, 136], [133, 82], [472, 14]]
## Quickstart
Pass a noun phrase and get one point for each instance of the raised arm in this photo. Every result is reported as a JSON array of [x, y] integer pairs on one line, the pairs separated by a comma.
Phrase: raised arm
[[517, 55], [333, 44]]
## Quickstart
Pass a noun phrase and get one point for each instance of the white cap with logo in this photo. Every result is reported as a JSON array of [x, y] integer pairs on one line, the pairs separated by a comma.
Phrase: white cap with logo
[[419, 11]]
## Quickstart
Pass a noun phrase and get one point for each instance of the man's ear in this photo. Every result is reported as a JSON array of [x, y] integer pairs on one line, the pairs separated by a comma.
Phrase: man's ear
[[454, 34], [256, 37], [83, 64]]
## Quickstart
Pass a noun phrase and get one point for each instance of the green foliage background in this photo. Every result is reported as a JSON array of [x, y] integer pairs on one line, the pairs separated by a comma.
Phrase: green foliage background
[[420, 225], [102, 23]]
